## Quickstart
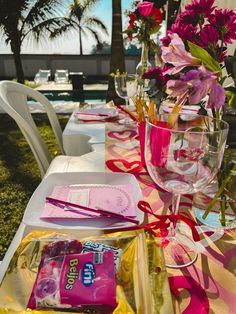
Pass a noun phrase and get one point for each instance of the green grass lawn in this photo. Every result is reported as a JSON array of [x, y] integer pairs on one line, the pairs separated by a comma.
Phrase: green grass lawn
[[19, 173]]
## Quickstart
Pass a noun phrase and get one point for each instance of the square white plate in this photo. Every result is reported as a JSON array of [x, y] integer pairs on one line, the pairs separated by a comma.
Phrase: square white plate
[[37, 201]]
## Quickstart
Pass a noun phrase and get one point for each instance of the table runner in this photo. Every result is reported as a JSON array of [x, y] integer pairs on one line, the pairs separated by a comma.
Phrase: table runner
[[207, 286]]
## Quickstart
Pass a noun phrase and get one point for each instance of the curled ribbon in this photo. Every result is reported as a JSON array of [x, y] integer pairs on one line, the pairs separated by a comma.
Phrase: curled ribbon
[[163, 221]]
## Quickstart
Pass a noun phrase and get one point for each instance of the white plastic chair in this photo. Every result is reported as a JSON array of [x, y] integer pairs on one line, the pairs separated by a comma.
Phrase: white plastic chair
[[42, 76], [61, 76], [13, 100], [16, 94]]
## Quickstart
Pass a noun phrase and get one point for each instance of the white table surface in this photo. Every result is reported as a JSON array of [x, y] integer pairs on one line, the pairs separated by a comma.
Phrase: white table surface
[[79, 137]]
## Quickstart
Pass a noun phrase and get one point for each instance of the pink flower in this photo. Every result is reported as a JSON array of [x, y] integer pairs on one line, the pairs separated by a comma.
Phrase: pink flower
[[145, 8], [176, 55], [224, 20]]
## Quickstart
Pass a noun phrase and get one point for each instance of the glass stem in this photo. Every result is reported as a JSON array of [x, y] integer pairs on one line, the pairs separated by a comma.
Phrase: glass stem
[[174, 211], [126, 103]]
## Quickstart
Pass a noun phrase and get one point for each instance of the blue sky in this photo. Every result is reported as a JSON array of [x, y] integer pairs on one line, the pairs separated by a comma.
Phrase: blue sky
[[68, 44]]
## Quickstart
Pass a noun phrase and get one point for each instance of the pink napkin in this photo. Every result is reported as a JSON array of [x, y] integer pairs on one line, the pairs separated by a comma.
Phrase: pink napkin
[[96, 114], [115, 198]]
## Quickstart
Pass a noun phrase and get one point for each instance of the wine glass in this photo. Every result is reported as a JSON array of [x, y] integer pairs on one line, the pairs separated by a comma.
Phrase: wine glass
[[183, 154], [126, 87]]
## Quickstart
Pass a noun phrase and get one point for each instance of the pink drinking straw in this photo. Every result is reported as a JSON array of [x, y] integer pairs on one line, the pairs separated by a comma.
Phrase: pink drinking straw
[[104, 213], [141, 133]]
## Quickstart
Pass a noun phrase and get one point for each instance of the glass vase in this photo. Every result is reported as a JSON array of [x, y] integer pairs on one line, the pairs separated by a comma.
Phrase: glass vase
[[144, 63], [143, 66], [220, 199]]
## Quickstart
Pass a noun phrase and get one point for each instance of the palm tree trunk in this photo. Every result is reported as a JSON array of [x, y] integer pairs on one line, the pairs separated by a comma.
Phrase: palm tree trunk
[[18, 62], [117, 59], [80, 42], [172, 11]]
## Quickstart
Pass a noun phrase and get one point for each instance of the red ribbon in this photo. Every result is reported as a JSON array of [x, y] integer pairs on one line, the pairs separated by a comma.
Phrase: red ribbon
[[163, 221], [127, 112]]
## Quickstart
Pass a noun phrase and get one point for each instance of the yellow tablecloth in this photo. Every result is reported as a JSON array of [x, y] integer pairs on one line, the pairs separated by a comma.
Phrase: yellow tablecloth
[[207, 286]]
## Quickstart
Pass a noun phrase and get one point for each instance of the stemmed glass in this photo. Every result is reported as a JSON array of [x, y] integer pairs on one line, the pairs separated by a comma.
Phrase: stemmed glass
[[183, 154], [126, 86]]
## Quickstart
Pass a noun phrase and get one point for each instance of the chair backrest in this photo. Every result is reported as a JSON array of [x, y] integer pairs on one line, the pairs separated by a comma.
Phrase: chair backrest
[[61, 76], [13, 100]]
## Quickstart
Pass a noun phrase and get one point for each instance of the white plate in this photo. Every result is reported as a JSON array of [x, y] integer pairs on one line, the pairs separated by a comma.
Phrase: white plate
[[93, 114], [37, 201]]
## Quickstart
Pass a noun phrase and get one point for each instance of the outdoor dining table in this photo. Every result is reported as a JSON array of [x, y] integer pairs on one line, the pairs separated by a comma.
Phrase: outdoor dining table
[[86, 135], [208, 285]]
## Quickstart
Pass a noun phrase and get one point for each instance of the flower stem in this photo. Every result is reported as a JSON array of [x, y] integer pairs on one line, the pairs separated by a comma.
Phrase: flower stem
[[218, 193], [222, 211]]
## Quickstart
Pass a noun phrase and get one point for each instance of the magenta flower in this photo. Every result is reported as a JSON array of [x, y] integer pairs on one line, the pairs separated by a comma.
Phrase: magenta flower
[[157, 74], [196, 85], [208, 35], [166, 40], [224, 20], [200, 8], [145, 8], [185, 31], [187, 17], [176, 55]]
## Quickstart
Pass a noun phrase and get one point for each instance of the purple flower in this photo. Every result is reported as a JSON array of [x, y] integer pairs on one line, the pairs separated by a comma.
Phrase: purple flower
[[196, 85], [176, 55], [224, 20], [216, 96]]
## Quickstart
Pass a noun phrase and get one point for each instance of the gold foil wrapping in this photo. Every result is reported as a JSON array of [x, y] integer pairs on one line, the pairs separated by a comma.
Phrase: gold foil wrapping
[[141, 279]]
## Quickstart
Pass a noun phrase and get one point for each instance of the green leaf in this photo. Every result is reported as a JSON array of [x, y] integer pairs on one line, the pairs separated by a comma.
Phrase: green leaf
[[210, 63], [231, 98], [230, 64]]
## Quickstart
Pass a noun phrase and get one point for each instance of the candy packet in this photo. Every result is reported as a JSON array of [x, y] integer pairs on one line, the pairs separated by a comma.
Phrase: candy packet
[[70, 278], [105, 273]]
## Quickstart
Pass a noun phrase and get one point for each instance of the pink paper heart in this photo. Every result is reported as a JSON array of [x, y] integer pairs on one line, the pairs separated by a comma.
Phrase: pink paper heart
[[118, 152], [123, 135], [115, 165]]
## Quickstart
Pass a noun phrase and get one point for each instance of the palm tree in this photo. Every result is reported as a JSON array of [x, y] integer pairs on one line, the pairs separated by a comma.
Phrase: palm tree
[[117, 60], [22, 19], [84, 23]]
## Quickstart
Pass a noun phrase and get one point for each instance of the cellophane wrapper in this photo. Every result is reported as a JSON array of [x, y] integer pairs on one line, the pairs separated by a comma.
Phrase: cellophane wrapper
[[141, 284]]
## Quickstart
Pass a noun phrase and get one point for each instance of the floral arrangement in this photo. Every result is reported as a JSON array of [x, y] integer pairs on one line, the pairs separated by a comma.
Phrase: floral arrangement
[[144, 21], [194, 54]]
